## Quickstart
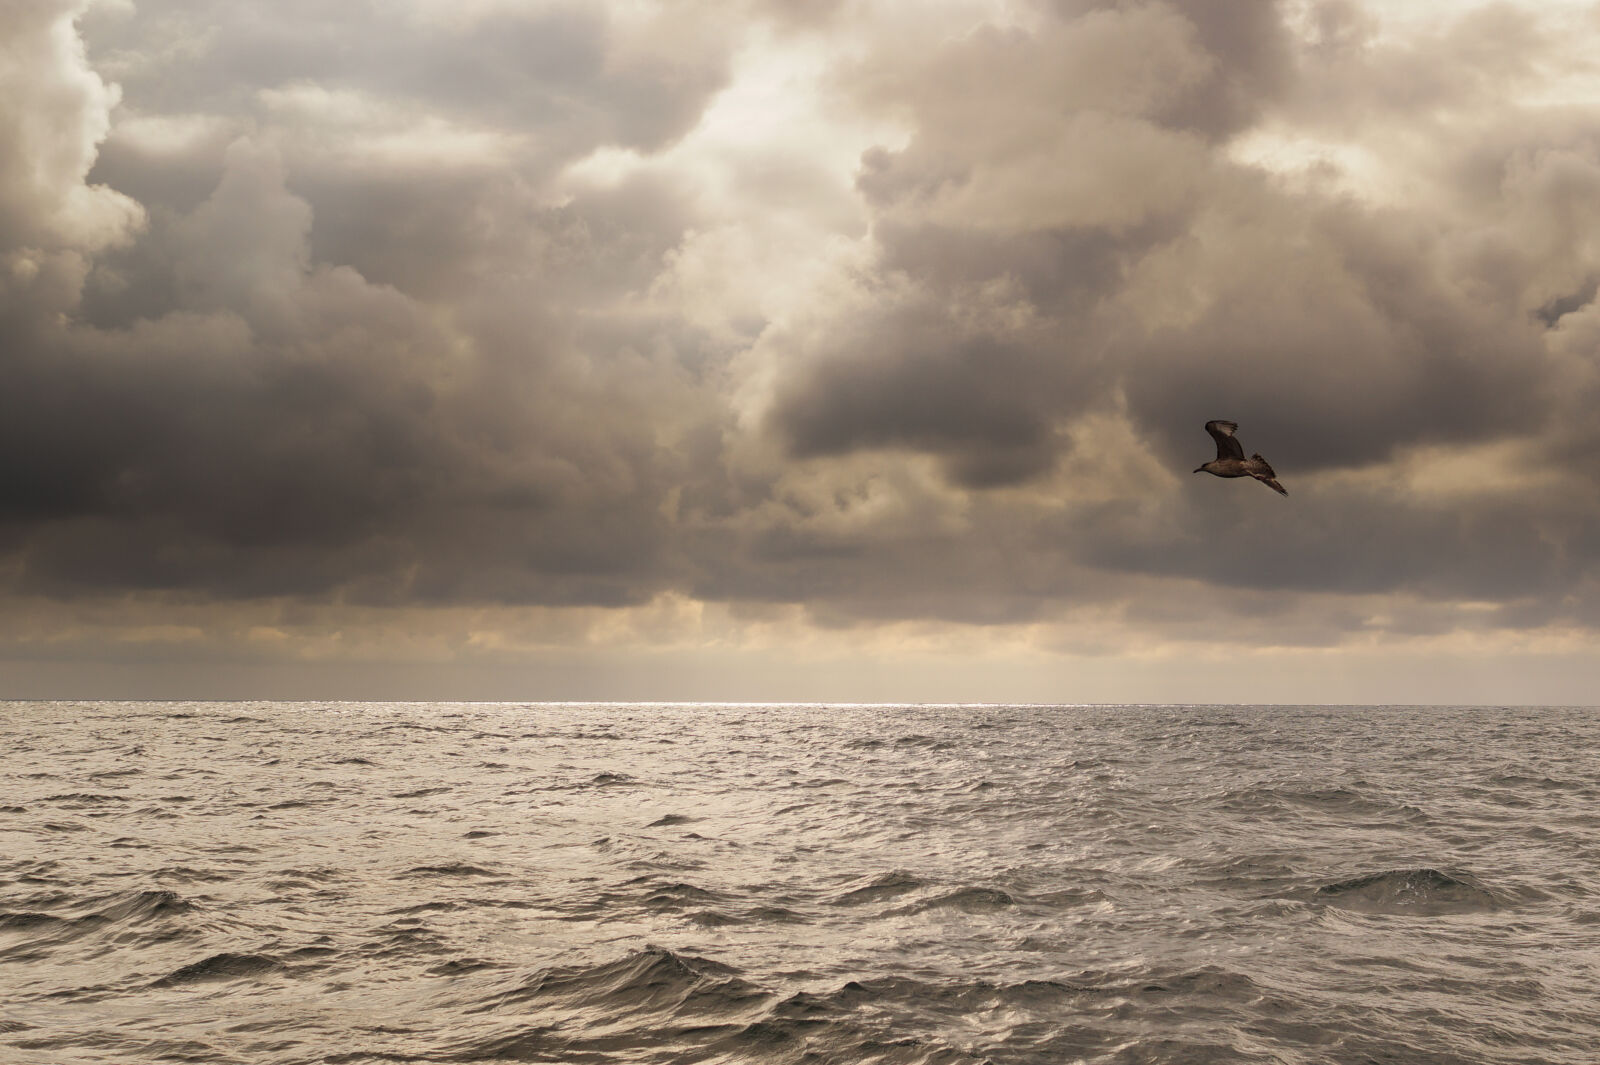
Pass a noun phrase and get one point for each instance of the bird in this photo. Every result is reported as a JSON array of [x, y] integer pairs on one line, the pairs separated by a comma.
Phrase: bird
[[1230, 460]]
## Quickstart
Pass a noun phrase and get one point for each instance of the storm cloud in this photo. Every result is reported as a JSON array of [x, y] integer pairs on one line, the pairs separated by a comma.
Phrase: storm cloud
[[861, 315]]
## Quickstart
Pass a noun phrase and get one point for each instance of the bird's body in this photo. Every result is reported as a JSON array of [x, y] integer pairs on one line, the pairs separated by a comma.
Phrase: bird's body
[[1230, 460]]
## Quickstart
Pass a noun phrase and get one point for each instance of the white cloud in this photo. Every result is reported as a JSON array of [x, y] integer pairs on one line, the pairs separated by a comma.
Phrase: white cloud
[[54, 111]]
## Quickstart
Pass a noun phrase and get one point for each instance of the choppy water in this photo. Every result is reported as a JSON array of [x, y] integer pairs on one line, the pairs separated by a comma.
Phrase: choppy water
[[665, 883]]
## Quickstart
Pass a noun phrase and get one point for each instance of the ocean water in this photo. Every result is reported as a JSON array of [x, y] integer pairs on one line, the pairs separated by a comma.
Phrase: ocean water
[[355, 883]]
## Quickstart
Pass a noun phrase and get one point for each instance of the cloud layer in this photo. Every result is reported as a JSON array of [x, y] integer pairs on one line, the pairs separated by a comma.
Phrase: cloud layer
[[859, 316]]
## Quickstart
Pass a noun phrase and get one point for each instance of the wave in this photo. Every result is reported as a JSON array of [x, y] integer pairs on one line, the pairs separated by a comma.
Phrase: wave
[[83, 798], [655, 999], [979, 996], [909, 1020], [917, 739], [1086, 885], [601, 780], [713, 919], [888, 885], [1264, 799], [652, 979], [224, 966], [776, 915], [964, 900], [452, 869], [1537, 782], [1423, 891], [22, 919], [130, 908], [671, 819], [460, 967], [145, 905], [674, 897]]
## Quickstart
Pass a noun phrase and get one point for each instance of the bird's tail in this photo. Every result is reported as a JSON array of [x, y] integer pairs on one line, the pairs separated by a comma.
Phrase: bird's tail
[[1272, 483]]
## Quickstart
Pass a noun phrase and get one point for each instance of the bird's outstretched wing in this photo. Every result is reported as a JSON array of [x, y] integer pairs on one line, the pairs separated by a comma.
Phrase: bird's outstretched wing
[[1222, 433], [1262, 471]]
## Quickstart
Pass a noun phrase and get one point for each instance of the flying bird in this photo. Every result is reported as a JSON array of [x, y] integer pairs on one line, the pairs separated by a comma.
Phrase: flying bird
[[1230, 460]]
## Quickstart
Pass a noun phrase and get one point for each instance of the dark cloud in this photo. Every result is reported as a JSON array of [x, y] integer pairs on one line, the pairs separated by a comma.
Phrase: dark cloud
[[1250, 56], [342, 307], [989, 399], [1331, 331], [424, 144], [1342, 335], [253, 398], [996, 567], [1339, 541], [293, 429], [980, 396]]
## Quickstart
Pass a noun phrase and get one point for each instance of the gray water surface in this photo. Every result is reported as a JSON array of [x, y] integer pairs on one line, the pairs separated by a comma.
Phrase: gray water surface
[[354, 883]]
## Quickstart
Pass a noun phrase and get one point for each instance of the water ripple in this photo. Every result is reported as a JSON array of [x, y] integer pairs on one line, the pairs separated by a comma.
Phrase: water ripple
[[934, 885]]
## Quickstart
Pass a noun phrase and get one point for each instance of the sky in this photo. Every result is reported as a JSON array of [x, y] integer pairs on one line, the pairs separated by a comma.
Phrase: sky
[[772, 350]]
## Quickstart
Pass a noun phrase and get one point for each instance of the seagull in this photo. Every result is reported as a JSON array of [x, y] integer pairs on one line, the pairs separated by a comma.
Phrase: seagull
[[1230, 460]]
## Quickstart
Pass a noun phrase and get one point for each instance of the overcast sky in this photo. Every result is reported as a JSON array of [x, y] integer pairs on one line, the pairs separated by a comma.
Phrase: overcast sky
[[774, 349]]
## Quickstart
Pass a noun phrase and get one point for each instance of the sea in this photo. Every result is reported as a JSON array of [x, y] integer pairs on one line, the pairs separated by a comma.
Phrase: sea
[[353, 883]]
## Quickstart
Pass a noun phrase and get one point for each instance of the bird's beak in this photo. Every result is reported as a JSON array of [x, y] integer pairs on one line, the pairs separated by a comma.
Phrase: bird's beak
[[1199, 469]]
